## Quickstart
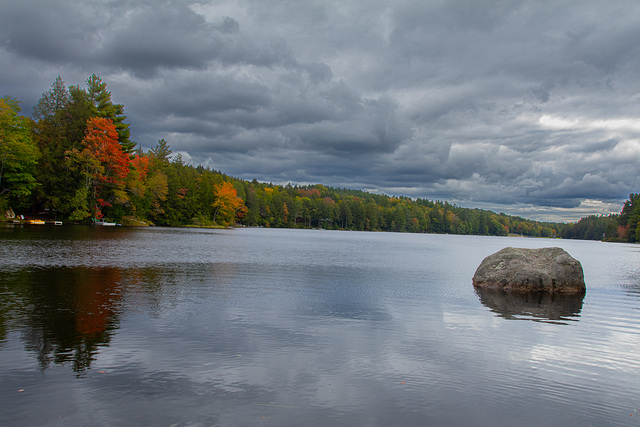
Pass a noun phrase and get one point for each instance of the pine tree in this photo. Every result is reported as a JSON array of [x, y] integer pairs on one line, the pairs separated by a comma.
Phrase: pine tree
[[53, 102], [100, 99], [161, 151], [50, 134]]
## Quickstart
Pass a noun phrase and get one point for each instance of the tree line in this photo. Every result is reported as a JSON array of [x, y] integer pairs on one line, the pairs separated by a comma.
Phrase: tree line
[[73, 160], [622, 227]]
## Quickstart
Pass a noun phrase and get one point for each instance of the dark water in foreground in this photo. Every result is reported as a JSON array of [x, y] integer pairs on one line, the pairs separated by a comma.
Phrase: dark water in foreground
[[185, 327]]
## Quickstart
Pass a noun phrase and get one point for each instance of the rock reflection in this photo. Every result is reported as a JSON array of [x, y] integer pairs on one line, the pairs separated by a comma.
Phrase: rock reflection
[[540, 306]]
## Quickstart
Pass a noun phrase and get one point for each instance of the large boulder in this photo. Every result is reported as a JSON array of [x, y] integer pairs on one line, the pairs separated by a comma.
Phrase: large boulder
[[550, 270]]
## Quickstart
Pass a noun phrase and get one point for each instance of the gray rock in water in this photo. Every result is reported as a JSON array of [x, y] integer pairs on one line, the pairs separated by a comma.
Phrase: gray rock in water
[[550, 270]]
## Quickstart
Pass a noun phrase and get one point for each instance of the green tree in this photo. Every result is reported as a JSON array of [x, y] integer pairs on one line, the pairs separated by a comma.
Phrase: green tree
[[630, 217], [18, 153], [346, 216], [161, 152], [371, 213], [50, 135], [52, 102], [100, 99], [78, 112]]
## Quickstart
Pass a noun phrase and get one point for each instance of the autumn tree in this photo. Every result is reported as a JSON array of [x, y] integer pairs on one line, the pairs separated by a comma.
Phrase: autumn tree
[[103, 166], [100, 99], [228, 206], [62, 115], [136, 184], [157, 189]]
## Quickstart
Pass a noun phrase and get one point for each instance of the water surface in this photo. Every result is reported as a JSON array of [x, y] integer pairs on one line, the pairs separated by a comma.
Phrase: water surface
[[192, 327]]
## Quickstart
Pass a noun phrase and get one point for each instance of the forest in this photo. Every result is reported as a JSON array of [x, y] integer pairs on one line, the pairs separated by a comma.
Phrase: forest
[[73, 160]]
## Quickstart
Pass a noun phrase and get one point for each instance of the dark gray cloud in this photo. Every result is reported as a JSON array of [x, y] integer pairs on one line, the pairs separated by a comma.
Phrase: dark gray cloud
[[527, 107]]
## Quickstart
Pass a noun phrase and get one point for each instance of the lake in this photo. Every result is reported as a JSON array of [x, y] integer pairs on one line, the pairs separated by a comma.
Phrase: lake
[[106, 326]]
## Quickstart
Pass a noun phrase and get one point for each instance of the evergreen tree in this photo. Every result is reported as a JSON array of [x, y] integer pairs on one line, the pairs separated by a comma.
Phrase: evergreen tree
[[630, 218], [161, 151], [52, 102], [51, 137], [100, 99]]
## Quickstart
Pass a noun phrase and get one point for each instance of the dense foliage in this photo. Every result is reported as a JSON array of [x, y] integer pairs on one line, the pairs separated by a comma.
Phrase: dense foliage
[[623, 227], [18, 153], [88, 170]]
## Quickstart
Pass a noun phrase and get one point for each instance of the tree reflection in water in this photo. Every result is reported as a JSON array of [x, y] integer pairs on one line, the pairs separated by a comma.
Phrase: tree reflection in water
[[536, 306], [66, 314]]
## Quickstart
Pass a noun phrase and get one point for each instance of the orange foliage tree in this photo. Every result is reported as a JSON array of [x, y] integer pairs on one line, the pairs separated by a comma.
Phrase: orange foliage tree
[[101, 138], [228, 206], [104, 167]]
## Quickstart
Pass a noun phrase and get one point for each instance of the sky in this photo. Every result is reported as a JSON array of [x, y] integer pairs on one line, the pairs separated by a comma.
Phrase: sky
[[530, 108]]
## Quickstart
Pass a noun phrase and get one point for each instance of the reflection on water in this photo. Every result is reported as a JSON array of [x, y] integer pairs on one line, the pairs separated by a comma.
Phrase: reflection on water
[[65, 314], [288, 327], [537, 306]]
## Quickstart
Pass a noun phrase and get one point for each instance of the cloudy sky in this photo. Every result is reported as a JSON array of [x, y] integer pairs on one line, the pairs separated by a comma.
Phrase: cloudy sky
[[524, 107]]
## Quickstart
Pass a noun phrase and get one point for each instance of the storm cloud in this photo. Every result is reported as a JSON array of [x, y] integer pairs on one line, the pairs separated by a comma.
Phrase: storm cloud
[[524, 107]]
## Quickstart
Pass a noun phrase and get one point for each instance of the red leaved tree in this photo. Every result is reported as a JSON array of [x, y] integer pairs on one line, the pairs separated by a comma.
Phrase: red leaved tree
[[104, 167], [101, 138]]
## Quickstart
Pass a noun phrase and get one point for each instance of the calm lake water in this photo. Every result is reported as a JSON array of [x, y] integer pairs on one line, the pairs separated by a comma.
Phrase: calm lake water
[[191, 327]]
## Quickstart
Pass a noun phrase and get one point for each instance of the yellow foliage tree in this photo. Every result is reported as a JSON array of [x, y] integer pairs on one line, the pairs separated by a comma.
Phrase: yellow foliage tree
[[228, 206]]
